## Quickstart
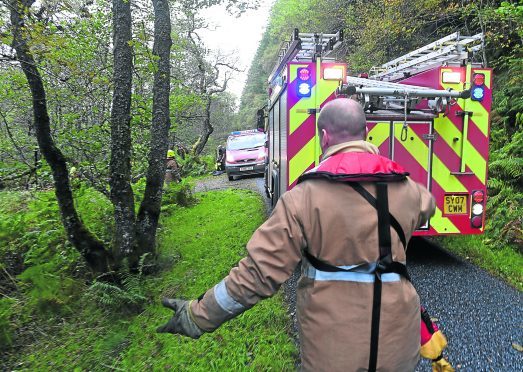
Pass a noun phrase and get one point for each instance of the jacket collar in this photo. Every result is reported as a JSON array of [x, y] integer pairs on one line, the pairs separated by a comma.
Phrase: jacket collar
[[352, 146]]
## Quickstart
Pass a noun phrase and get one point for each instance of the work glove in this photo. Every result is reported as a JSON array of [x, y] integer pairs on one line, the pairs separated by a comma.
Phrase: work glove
[[182, 321], [441, 365]]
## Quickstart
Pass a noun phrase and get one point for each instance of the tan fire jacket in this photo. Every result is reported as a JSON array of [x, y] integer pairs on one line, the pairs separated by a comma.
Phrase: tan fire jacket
[[336, 225], [172, 171]]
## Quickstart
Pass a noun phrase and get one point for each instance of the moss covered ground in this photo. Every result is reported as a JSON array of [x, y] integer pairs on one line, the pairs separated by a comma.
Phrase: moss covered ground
[[74, 330]]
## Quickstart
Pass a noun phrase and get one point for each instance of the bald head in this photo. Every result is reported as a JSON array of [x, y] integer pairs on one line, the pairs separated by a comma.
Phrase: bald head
[[342, 120]]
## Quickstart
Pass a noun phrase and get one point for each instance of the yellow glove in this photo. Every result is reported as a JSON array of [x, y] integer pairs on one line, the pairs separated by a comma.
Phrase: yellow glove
[[441, 365]]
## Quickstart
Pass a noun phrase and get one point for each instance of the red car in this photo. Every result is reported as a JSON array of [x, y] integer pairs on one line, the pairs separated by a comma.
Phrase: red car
[[245, 153]]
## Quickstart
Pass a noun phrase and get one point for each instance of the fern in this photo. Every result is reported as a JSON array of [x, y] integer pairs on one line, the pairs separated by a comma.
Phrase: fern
[[508, 167], [129, 293]]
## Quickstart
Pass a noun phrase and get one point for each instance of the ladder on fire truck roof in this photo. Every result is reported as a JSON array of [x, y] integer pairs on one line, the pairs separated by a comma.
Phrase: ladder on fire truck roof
[[450, 49], [306, 47]]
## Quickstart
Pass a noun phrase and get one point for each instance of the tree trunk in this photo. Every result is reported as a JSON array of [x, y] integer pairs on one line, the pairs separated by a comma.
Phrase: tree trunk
[[149, 212], [89, 247], [122, 196], [206, 130]]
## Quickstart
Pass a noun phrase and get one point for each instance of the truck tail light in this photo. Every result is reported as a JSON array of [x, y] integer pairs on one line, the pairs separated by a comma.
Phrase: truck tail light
[[477, 210], [478, 196], [476, 222]]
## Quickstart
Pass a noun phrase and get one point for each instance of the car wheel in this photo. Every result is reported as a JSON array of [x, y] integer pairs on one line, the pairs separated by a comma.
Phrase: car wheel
[[231, 178]]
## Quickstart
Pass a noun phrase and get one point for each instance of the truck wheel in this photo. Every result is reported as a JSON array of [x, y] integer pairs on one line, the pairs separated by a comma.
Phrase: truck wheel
[[231, 178]]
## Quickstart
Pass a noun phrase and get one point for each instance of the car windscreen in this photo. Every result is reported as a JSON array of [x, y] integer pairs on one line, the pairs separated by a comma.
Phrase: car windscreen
[[245, 142]]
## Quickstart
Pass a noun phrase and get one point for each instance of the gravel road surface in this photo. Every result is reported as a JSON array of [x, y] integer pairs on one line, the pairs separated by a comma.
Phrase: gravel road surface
[[481, 316]]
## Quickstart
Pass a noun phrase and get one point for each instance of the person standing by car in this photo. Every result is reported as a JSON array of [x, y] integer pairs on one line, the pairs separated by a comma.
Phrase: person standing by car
[[220, 158], [324, 222], [172, 171]]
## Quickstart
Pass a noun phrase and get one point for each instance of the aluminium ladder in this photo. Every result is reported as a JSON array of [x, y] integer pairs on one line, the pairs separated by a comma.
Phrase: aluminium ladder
[[452, 48], [306, 47]]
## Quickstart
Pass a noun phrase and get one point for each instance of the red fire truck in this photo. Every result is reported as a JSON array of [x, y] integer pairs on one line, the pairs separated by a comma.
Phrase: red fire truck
[[428, 110]]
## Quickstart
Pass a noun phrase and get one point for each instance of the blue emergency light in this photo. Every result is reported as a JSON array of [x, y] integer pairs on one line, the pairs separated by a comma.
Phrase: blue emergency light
[[478, 88], [304, 82]]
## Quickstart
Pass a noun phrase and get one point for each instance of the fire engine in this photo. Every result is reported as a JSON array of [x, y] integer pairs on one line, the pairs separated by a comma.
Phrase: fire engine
[[428, 110]]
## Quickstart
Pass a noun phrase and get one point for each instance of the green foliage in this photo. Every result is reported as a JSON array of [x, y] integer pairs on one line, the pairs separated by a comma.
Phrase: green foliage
[[204, 243], [179, 194], [48, 289], [194, 165], [99, 333], [129, 295], [6, 328], [39, 268]]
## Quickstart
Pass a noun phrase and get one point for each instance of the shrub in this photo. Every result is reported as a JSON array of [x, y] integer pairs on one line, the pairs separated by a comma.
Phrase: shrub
[[128, 294], [6, 328], [180, 193]]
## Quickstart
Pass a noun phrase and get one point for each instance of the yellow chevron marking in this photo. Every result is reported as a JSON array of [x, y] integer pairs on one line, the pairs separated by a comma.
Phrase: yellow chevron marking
[[440, 174], [297, 116], [299, 163], [442, 224], [379, 133], [420, 151], [480, 116], [448, 131], [298, 113]]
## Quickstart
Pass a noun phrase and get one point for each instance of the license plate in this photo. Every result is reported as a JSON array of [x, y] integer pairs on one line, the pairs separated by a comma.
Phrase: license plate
[[246, 169], [455, 204]]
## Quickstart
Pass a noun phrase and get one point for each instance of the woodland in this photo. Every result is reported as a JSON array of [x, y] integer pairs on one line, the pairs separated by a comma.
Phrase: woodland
[[92, 95]]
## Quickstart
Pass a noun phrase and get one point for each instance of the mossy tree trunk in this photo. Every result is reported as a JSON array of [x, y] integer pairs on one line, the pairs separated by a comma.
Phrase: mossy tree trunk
[[91, 249], [122, 196], [149, 212]]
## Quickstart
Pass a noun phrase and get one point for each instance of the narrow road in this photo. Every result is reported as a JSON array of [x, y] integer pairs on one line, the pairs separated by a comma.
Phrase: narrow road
[[481, 316]]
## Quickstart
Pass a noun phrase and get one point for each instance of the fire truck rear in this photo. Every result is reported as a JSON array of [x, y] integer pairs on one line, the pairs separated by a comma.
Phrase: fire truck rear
[[428, 110]]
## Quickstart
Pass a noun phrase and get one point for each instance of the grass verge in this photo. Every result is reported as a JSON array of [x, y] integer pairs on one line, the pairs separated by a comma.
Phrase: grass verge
[[503, 261], [198, 246]]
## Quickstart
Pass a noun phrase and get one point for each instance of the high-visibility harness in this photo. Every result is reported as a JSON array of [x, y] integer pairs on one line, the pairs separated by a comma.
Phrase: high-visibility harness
[[364, 167], [384, 264]]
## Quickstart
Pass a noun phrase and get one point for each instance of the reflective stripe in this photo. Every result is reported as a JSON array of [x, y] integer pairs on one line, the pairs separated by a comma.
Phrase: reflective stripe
[[224, 299], [351, 276], [354, 277]]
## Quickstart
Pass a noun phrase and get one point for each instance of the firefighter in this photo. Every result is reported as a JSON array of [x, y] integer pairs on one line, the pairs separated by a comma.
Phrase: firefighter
[[172, 171], [220, 158], [324, 223]]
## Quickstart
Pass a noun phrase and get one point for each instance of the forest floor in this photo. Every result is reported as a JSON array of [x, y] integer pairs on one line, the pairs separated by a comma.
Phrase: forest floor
[[94, 328]]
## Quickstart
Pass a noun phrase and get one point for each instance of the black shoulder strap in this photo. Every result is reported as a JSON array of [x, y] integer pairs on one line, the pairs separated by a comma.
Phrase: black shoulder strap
[[372, 201], [385, 257]]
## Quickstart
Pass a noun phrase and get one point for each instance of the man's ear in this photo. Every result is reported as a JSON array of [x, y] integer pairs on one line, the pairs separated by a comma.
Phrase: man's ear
[[324, 139]]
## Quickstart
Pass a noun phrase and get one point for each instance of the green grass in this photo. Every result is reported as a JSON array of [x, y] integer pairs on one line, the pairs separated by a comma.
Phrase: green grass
[[502, 261], [198, 246]]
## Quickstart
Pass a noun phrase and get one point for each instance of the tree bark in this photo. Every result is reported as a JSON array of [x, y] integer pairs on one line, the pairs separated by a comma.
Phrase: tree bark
[[93, 251], [149, 212], [206, 130], [122, 197]]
